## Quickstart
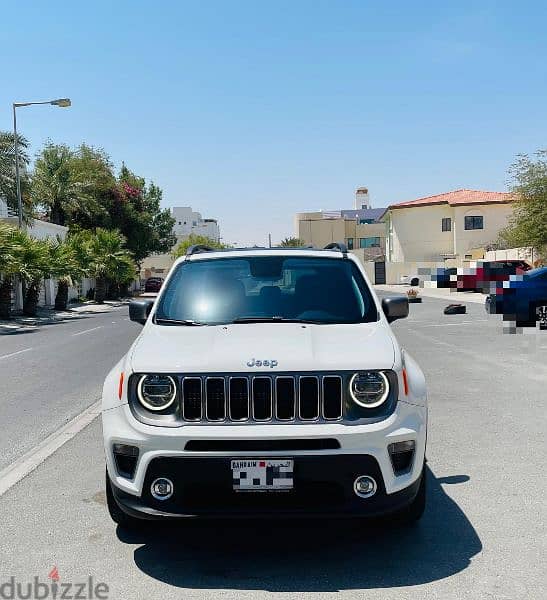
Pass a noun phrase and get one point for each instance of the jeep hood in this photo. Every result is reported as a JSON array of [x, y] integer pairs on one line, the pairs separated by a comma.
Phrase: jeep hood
[[295, 347]]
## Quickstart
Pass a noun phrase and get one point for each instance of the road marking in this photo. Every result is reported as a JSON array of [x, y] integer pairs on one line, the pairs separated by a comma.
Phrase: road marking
[[15, 353], [453, 324], [35, 457], [87, 330]]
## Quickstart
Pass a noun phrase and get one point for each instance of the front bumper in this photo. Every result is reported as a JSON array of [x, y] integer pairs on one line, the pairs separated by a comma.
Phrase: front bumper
[[329, 473], [323, 486]]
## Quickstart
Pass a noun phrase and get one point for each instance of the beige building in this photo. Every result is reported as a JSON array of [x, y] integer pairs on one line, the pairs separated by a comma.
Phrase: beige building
[[360, 227], [450, 225]]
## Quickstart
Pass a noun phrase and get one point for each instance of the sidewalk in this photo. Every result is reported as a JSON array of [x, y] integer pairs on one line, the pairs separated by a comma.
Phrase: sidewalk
[[46, 315], [441, 293]]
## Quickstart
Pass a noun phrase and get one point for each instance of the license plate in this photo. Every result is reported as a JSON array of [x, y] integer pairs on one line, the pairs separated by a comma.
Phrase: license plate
[[262, 475]]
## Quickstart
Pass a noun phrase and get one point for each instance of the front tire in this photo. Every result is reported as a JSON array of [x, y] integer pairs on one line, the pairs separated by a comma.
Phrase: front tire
[[116, 513]]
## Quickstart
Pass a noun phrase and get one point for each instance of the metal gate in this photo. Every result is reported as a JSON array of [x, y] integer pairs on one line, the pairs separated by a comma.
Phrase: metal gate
[[380, 272]]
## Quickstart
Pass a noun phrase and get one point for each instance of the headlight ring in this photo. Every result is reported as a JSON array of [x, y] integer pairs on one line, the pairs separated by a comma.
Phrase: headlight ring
[[156, 392], [369, 389]]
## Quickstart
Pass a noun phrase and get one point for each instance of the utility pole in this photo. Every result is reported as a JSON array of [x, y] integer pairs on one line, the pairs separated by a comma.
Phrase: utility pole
[[269, 240]]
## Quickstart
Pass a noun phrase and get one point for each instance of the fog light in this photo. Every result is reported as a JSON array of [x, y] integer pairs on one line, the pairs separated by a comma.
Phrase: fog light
[[365, 486], [162, 488]]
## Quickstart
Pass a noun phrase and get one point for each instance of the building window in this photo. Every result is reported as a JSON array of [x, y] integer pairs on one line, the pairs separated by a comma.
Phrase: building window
[[474, 223], [350, 243], [446, 224], [180, 223], [366, 221], [371, 242]]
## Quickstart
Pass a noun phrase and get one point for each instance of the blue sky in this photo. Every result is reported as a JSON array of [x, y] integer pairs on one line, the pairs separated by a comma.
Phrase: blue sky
[[252, 111]]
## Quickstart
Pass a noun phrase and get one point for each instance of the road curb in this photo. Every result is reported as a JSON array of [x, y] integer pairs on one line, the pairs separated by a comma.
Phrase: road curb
[[32, 459]]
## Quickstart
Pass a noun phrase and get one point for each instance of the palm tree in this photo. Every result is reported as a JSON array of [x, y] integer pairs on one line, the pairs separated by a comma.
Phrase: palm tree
[[70, 262], [292, 242], [54, 184], [34, 263], [8, 188], [26, 257], [109, 260], [67, 182], [8, 242]]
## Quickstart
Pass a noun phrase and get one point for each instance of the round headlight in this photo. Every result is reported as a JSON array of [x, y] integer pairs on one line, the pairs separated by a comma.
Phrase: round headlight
[[369, 389], [156, 392]]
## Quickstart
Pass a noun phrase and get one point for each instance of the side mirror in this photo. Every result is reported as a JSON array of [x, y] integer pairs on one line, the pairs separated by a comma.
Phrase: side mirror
[[395, 307], [140, 309]]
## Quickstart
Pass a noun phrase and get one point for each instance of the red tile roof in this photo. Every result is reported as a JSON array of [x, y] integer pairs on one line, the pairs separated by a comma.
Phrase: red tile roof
[[459, 197]]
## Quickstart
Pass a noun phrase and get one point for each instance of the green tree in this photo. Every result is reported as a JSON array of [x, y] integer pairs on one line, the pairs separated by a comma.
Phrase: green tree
[[8, 187], [292, 242], [9, 241], [148, 228], [70, 184], [109, 260], [193, 240], [71, 261], [35, 263], [528, 224]]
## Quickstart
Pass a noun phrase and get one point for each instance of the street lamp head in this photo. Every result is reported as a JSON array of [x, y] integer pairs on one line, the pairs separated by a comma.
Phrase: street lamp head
[[62, 102]]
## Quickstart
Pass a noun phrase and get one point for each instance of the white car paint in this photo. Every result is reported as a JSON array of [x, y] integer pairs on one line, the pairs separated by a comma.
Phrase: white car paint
[[296, 348]]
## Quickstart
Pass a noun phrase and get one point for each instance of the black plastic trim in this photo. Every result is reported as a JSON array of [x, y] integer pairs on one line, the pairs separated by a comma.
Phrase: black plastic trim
[[294, 444]]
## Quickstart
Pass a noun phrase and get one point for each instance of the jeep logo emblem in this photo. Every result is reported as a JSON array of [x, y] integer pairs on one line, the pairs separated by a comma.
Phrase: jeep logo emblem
[[262, 363]]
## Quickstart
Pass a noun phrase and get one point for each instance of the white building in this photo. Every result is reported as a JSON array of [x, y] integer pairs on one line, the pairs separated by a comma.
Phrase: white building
[[189, 222], [362, 198]]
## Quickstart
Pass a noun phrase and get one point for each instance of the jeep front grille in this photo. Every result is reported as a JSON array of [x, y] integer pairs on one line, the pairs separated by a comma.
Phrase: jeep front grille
[[261, 398]]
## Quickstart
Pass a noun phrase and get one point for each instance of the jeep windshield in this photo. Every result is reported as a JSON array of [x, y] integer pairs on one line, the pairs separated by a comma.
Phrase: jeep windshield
[[266, 289]]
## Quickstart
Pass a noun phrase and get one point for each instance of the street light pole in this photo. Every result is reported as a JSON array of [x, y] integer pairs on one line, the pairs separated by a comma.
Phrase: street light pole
[[17, 178], [61, 102]]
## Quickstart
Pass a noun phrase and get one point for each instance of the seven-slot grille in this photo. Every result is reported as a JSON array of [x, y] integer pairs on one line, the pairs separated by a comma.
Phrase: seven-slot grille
[[261, 398]]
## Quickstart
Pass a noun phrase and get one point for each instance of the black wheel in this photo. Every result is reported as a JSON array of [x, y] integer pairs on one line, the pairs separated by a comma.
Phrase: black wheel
[[414, 511], [116, 513]]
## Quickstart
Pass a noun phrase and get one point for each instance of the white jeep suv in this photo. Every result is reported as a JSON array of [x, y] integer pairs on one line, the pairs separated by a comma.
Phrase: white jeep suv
[[265, 382]]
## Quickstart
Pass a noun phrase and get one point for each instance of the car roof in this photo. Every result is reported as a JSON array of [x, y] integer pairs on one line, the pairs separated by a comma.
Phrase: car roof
[[339, 252]]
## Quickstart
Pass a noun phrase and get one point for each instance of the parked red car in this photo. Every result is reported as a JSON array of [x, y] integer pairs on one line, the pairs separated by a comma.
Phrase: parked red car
[[153, 284], [484, 276]]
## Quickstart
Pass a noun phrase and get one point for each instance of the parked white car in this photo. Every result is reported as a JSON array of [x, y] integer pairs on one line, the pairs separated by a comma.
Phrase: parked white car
[[265, 382]]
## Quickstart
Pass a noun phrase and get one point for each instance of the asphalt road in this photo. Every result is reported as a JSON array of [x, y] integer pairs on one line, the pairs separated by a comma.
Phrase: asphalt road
[[483, 535], [52, 373]]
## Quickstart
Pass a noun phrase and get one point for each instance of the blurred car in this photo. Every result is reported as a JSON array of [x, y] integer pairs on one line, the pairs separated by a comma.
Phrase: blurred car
[[445, 278], [153, 284], [487, 276], [523, 299]]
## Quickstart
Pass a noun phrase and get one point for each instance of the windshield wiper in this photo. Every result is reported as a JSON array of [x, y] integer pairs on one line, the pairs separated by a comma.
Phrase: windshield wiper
[[177, 321], [275, 319]]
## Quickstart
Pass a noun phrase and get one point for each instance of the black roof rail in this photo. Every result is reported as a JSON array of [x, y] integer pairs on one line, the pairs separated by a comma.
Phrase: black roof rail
[[338, 246], [197, 249]]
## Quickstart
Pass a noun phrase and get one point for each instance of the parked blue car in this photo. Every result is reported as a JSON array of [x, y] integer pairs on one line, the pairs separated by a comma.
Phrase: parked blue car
[[523, 299]]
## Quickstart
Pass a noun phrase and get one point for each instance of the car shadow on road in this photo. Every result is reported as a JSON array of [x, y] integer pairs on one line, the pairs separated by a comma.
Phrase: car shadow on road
[[302, 556]]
